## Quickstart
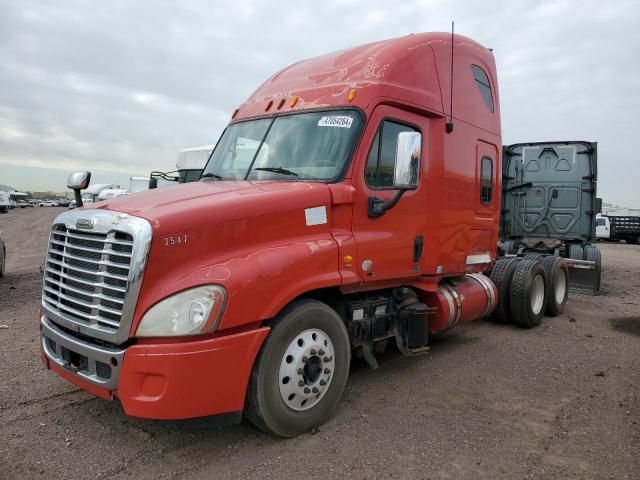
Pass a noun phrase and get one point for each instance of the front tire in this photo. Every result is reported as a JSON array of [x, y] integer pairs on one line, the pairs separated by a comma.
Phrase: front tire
[[301, 370]]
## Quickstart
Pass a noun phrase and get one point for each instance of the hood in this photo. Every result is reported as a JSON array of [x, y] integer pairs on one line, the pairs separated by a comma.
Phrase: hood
[[190, 205]]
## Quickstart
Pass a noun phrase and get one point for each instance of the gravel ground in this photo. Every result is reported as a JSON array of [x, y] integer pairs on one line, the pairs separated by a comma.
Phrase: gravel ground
[[489, 401]]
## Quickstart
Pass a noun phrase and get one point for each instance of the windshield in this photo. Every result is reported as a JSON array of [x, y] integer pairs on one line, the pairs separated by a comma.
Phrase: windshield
[[305, 146]]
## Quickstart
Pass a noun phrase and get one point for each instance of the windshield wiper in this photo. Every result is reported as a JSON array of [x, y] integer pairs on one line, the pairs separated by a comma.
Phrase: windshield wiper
[[212, 175], [281, 170]]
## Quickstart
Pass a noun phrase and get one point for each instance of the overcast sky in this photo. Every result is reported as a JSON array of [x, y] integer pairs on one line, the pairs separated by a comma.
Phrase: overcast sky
[[123, 85]]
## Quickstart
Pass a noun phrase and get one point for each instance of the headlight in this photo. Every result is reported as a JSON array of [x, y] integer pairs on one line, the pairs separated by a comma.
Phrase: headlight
[[191, 312]]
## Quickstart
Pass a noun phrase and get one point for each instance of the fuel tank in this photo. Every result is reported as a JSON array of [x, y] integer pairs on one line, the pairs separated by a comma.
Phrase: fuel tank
[[461, 299]]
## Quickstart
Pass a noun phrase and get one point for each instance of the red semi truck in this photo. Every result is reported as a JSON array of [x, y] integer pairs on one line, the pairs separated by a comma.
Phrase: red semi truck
[[353, 199]]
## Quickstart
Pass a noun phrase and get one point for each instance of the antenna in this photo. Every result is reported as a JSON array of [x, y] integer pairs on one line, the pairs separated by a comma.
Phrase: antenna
[[449, 124]]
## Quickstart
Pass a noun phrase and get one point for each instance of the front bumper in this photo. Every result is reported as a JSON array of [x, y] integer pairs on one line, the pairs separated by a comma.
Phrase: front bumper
[[191, 378]]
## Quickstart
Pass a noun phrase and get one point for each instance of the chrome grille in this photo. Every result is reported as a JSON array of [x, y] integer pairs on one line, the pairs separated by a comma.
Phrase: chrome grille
[[92, 277], [86, 275]]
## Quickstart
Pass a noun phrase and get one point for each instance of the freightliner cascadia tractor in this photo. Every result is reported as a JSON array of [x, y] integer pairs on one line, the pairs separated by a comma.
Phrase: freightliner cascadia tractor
[[353, 202]]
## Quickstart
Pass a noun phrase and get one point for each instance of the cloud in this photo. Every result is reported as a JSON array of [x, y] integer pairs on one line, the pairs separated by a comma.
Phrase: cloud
[[124, 85]]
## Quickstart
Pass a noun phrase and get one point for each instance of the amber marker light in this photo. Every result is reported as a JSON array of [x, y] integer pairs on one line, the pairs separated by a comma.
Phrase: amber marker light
[[352, 95], [294, 100], [348, 260]]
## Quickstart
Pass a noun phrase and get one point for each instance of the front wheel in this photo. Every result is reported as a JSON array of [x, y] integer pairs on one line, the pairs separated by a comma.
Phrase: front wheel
[[301, 371]]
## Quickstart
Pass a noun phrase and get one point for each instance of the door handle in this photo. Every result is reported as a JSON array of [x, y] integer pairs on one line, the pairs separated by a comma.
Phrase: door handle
[[418, 246]]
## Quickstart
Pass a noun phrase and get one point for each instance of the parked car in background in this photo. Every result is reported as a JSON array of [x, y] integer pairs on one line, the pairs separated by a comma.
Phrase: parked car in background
[[49, 203], [5, 202]]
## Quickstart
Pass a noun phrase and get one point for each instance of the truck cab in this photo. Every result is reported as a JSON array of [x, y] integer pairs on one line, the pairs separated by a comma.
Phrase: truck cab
[[603, 227], [352, 202]]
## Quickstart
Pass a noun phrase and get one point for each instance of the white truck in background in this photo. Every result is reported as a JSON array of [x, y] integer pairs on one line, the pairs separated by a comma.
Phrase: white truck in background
[[5, 202], [189, 167], [92, 194]]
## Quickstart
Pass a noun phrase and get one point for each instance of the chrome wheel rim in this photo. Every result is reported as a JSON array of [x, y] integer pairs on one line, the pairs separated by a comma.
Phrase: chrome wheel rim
[[561, 286], [306, 369], [537, 294]]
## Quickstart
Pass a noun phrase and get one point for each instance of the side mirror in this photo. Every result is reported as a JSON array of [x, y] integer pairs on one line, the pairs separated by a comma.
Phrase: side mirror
[[406, 173], [78, 181]]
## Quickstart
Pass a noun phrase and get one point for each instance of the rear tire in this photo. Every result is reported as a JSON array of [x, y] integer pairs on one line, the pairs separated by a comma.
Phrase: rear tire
[[557, 274], [501, 275], [528, 294], [534, 256], [592, 253], [576, 252], [295, 385]]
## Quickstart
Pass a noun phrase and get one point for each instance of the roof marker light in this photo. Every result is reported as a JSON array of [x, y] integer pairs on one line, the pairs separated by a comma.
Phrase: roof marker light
[[352, 95], [269, 105], [294, 100], [280, 104], [235, 112]]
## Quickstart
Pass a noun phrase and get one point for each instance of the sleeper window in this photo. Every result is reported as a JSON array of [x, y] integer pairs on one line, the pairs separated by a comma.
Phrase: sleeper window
[[486, 180], [482, 81]]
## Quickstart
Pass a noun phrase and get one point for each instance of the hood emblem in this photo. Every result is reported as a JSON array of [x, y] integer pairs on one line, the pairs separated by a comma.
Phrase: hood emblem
[[85, 223]]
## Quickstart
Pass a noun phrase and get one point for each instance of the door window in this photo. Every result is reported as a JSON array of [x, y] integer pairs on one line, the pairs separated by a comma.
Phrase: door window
[[382, 156]]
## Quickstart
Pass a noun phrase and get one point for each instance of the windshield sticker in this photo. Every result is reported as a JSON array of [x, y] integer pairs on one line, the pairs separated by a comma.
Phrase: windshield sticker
[[336, 121]]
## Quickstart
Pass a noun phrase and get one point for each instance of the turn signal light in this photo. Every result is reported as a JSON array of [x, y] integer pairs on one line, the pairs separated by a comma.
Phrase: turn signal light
[[352, 95], [294, 100]]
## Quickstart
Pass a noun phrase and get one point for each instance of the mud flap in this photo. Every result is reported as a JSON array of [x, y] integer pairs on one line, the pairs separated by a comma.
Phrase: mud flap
[[583, 276]]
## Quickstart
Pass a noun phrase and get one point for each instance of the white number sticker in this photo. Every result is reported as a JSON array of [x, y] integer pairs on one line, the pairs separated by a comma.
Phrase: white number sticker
[[341, 121]]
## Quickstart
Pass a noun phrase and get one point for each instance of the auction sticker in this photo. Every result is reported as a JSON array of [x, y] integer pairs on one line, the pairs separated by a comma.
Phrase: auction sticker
[[341, 121]]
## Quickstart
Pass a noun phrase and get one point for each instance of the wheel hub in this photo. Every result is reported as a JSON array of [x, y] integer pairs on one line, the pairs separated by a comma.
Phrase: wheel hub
[[306, 369]]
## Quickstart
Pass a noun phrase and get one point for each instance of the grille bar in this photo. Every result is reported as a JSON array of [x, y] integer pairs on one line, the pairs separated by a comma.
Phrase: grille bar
[[93, 238], [80, 291], [79, 258], [82, 303], [85, 282], [81, 315], [93, 250], [88, 272]]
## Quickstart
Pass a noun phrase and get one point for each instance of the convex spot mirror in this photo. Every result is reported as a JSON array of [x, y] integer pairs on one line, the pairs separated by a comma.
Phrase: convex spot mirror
[[79, 180], [406, 173]]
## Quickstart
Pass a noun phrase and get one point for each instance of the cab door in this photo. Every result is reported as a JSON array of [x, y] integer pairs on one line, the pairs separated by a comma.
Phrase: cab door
[[390, 246]]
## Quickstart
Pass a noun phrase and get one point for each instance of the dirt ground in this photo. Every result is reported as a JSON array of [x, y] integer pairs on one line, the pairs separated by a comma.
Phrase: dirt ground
[[489, 401]]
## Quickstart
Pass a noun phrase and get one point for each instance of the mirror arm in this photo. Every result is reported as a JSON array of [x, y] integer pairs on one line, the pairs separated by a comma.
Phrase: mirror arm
[[78, 197], [378, 207]]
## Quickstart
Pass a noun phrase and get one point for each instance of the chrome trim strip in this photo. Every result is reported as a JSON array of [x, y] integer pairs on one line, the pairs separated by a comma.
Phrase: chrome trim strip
[[106, 222], [457, 301], [92, 352]]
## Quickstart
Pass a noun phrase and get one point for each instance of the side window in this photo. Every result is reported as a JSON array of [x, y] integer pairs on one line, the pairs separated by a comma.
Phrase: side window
[[382, 156], [486, 180], [482, 81]]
